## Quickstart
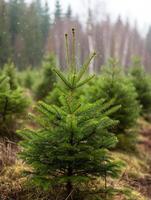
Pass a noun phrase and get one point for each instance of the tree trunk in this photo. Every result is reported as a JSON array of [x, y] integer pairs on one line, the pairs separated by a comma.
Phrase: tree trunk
[[69, 189], [69, 186]]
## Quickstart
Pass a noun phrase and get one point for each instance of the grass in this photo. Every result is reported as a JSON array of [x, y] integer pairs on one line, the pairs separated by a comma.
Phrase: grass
[[133, 183]]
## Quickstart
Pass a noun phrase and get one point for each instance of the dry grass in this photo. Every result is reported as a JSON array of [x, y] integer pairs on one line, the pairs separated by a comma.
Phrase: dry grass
[[8, 151], [133, 184], [11, 181]]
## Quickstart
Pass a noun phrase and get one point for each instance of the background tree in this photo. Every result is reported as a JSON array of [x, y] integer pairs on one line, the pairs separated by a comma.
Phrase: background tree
[[58, 10], [33, 40], [45, 22], [113, 84], [9, 71], [27, 34], [69, 12], [142, 83], [13, 104], [47, 77], [5, 48]]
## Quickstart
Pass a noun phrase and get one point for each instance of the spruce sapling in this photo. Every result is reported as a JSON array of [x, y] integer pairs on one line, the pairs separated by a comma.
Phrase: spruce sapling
[[69, 147]]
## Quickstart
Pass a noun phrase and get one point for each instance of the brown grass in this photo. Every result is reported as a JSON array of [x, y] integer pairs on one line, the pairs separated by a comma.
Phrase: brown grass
[[8, 151], [135, 181]]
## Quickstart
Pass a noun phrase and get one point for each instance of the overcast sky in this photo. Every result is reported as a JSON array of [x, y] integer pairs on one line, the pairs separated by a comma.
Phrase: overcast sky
[[139, 10]]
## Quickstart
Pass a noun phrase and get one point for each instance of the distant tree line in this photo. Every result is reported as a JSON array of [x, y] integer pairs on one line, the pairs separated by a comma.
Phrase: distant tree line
[[29, 31]]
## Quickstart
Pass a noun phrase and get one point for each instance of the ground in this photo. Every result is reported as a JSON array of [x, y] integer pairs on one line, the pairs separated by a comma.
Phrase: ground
[[134, 182]]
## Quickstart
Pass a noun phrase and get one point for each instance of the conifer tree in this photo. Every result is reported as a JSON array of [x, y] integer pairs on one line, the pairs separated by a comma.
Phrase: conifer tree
[[70, 146], [45, 21], [10, 72], [35, 37], [14, 19], [28, 78], [58, 10], [5, 47], [113, 83], [69, 12], [142, 82], [12, 104], [48, 77]]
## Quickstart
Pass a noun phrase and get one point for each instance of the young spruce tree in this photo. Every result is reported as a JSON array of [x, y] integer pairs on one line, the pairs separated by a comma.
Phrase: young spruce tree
[[27, 78], [13, 103], [142, 83], [48, 77], [70, 147], [9, 71], [113, 83]]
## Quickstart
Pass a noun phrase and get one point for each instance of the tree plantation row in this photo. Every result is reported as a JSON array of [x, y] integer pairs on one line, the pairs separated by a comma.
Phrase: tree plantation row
[[76, 121]]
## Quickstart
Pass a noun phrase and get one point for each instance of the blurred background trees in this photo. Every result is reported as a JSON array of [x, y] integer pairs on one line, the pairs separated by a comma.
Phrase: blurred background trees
[[29, 31]]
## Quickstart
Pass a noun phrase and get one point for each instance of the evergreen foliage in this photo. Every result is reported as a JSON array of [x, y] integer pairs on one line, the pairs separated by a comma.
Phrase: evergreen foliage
[[10, 72], [70, 147], [48, 78], [113, 83], [5, 48], [12, 103], [24, 31], [142, 82], [58, 10], [69, 12], [45, 22], [59, 89], [28, 78], [53, 96]]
